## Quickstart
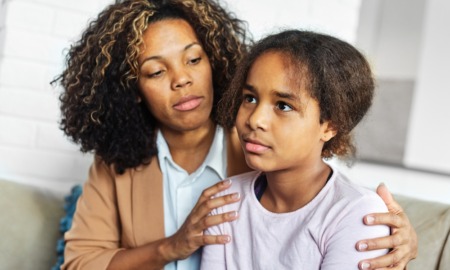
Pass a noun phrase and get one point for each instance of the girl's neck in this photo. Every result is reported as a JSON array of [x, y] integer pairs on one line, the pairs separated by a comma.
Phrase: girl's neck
[[288, 191], [190, 148]]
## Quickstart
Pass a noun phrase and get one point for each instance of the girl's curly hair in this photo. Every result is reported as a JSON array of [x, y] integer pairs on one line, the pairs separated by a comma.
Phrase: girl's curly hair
[[333, 72], [99, 102]]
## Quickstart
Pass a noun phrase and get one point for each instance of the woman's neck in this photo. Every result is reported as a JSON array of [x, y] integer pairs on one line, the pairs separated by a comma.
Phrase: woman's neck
[[288, 191], [190, 148]]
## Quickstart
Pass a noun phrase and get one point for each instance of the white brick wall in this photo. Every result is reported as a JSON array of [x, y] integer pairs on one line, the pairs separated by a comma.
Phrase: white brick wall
[[336, 17], [33, 36]]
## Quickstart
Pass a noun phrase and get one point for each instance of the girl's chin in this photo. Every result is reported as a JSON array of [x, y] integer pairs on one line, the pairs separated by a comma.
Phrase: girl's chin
[[257, 166]]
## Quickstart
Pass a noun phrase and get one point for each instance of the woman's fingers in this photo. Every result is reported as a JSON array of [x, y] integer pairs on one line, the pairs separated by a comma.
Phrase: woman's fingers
[[402, 242], [213, 220], [387, 242], [208, 202], [213, 190], [391, 261], [392, 220], [212, 239]]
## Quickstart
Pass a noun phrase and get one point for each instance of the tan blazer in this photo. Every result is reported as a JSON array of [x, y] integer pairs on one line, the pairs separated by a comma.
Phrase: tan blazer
[[117, 212]]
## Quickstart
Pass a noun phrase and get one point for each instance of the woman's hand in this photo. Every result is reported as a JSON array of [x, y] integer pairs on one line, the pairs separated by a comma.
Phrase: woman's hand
[[190, 236], [402, 242]]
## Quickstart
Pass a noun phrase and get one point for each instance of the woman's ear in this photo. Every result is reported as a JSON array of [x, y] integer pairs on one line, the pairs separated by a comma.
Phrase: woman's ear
[[329, 131]]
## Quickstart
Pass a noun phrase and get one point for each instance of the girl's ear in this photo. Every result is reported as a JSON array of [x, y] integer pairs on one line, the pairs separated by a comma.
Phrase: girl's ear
[[329, 131]]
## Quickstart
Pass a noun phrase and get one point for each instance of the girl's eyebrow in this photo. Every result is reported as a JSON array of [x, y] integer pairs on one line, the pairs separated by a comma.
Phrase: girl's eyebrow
[[281, 94], [286, 95], [249, 87]]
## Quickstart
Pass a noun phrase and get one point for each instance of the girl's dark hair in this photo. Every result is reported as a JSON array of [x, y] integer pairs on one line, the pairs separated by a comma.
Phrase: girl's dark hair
[[99, 102], [334, 72]]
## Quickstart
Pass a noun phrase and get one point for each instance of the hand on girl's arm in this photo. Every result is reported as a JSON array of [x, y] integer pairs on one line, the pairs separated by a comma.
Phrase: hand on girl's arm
[[402, 242], [190, 236], [187, 239]]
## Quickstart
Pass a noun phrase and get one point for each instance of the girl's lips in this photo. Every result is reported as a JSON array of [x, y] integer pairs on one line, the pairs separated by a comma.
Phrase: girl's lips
[[187, 103], [255, 147]]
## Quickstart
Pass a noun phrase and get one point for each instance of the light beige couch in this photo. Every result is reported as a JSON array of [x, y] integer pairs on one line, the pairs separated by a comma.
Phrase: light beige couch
[[29, 229], [431, 221]]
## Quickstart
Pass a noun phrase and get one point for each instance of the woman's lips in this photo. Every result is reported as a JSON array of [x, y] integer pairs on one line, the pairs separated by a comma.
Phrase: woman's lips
[[187, 103]]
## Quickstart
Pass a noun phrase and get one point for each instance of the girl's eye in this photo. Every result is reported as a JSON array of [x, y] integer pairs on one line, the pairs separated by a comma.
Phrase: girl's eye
[[284, 107], [249, 99], [195, 60]]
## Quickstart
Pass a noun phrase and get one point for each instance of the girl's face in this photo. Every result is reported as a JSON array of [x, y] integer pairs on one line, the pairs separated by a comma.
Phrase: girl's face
[[175, 76], [279, 122]]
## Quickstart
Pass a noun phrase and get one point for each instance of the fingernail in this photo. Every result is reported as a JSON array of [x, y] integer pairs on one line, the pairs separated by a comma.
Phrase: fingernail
[[226, 182], [370, 219], [365, 265], [362, 246], [236, 196], [233, 214], [226, 239]]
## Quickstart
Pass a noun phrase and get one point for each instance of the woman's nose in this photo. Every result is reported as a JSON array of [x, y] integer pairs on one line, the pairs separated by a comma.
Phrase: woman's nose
[[181, 79]]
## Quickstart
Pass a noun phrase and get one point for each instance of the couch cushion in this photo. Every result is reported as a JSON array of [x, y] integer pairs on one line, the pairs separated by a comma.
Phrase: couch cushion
[[29, 226], [431, 220]]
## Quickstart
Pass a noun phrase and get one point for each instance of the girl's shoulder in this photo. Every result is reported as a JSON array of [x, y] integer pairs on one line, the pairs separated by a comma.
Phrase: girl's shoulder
[[241, 183]]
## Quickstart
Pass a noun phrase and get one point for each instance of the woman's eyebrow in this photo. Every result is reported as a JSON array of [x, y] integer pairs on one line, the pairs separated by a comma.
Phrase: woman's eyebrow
[[157, 57]]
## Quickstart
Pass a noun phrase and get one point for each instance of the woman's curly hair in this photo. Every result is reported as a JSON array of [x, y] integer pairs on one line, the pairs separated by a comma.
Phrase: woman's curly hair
[[334, 72], [99, 104]]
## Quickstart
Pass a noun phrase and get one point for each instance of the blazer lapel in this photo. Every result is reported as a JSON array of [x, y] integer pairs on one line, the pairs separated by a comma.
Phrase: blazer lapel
[[148, 207]]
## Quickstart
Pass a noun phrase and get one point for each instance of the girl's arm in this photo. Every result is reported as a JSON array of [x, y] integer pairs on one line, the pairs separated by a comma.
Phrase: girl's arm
[[339, 241], [213, 256]]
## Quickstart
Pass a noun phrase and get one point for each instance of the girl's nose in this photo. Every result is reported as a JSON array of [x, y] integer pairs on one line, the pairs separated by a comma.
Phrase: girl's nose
[[258, 118]]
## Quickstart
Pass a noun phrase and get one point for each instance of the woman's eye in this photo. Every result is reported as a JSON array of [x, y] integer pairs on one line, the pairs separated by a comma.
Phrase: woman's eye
[[284, 107], [249, 99], [155, 74], [194, 60]]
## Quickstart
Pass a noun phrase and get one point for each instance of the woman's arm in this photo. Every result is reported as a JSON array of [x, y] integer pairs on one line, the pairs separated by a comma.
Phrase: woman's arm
[[402, 242]]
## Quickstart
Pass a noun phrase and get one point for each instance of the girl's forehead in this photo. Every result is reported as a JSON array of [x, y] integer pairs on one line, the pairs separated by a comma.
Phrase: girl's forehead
[[275, 70]]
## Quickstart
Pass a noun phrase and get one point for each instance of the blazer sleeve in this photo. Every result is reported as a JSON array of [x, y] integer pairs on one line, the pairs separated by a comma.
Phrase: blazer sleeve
[[94, 237]]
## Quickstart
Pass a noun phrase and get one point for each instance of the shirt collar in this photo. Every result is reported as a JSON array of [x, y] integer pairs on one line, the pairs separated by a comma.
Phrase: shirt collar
[[216, 158]]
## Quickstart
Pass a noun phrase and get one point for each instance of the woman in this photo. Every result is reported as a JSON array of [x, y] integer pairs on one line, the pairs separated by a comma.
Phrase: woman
[[141, 88]]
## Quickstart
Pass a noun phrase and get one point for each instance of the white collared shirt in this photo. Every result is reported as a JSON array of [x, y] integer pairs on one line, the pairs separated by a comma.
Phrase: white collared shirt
[[182, 190]]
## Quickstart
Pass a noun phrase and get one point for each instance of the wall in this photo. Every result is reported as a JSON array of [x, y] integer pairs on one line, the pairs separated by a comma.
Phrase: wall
[[36, 32], [428, 146], [336, 17], [406, 41], [33, 35]]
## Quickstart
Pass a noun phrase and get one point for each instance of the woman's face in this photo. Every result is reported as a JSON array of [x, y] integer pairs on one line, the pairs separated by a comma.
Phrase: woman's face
[[175, 76]]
